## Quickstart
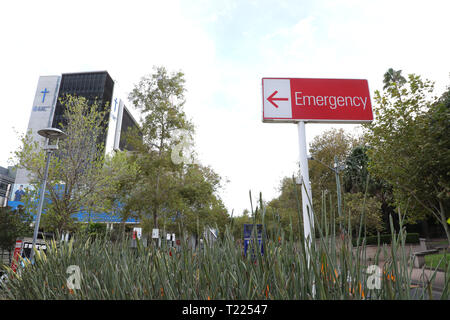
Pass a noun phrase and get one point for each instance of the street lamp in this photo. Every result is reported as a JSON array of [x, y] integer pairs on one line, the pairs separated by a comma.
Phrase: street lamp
[[337, 168], [50, 134]]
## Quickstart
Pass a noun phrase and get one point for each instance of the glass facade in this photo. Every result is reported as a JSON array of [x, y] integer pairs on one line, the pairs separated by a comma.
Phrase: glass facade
[[94, 86], [7, 177], [127, 124]]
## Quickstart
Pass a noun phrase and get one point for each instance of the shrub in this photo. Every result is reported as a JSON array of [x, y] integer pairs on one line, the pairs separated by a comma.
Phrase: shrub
[[330, 269], [94, 229], [387, 239], [220, 271]]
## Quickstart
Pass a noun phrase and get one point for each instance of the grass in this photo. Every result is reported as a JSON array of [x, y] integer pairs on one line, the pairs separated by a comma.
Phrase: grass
[[442, 242], [439, 260]]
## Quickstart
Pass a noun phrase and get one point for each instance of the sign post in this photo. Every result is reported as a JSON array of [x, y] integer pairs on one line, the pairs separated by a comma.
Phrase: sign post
[[304, 100], [137, 233], [308, 214]]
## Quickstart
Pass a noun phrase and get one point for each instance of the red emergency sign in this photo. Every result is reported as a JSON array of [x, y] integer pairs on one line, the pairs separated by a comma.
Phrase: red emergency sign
[[316, 100]]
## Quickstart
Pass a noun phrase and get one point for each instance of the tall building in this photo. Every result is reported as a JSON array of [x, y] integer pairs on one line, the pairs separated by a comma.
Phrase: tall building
[[7, 177], [94, 86], [48, 111]]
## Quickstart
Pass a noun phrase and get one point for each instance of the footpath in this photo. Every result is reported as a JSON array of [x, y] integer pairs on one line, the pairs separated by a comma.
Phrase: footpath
[[423, 276]]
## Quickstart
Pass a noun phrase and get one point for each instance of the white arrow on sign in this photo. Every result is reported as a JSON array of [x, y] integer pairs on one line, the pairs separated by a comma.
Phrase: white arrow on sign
[[277, 98]]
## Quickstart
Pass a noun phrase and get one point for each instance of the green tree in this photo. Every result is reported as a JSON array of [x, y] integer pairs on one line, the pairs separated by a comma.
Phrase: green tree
[[409, 146], [166, 188], [75, 179], [357, 204], [13, 225], [197, 199], [284, 210], [356, 172], [237, 225], [332, 145], [324, 148], [393, 78], [123, 172], [160, 97], [358, 180]]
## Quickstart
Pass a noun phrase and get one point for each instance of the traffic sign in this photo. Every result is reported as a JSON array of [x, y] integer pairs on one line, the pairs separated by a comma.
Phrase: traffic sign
[[137, 233], [250, 235], [316, 100]]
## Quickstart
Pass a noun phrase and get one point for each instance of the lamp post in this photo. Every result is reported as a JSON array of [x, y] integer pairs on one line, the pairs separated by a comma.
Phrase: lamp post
[[337, 168], [49, 134]]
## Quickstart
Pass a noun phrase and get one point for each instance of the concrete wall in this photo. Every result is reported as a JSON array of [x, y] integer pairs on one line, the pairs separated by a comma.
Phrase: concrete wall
[[41, 116]]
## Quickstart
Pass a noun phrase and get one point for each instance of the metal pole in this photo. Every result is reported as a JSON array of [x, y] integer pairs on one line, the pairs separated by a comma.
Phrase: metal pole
[[41, 203], [338, 190], [308, 215]]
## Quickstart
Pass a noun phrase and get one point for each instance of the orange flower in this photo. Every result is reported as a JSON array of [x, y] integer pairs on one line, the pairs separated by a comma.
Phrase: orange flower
[[390, 277], [162, 292], [361, 291], [267, 292], [209, 298], [70, 291]]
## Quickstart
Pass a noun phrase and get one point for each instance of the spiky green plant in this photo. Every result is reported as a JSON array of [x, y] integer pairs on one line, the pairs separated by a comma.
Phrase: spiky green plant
[[336, 269]]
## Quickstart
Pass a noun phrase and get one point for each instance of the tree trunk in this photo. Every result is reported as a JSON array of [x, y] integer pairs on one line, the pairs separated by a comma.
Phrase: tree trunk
[[444, 221], [122, 231], [155, 210], [155, 218]]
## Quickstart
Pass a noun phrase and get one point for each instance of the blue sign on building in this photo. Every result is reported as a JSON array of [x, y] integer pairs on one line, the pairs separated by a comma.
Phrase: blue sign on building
[[84, 215], [40, 108]]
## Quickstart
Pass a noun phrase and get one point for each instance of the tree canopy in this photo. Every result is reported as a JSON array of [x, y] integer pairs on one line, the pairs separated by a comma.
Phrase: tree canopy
[[75, 178], [161, 192], [409, 146]]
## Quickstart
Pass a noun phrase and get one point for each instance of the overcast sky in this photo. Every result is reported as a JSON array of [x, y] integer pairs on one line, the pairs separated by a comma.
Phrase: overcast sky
[[224, 48]]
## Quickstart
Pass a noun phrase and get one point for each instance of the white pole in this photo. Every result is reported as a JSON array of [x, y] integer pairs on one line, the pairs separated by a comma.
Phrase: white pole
[[308, 215], [308, 220]]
